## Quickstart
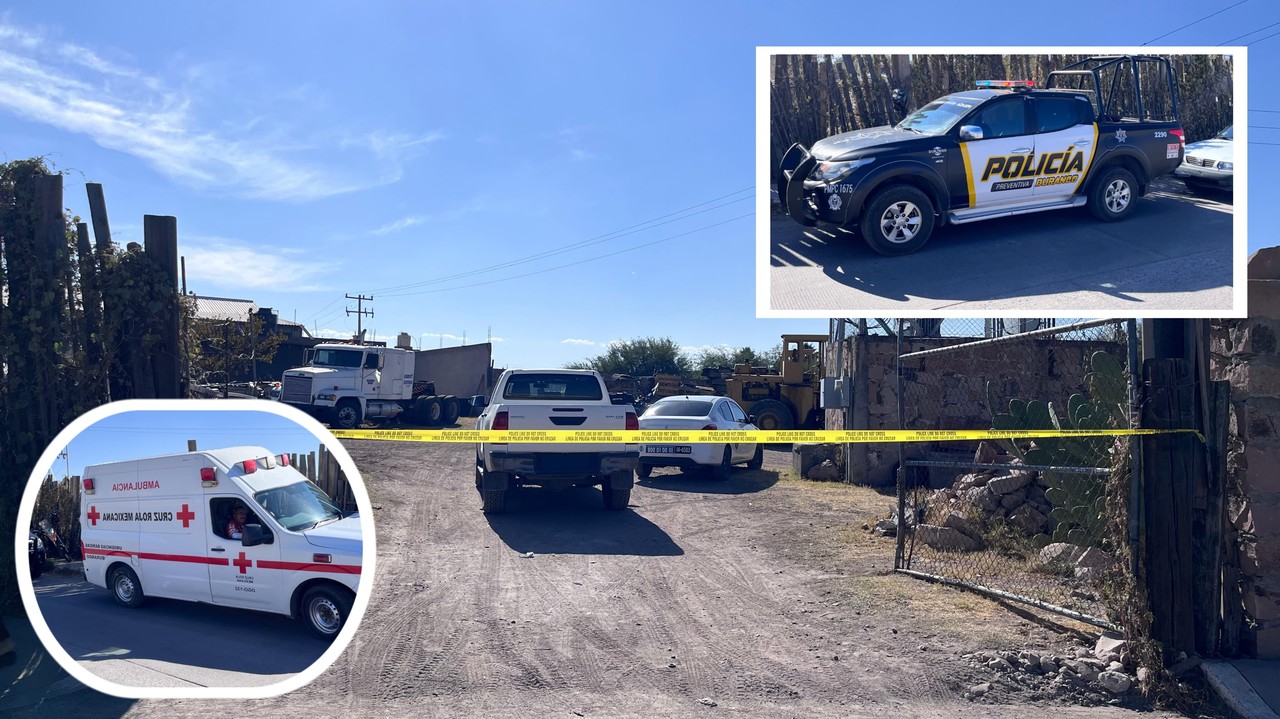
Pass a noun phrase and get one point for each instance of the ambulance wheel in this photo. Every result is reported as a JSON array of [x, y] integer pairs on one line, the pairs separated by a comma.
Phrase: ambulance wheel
[[347, 414], [898, 220], [126, 588], [1113, 195], [325, 610]]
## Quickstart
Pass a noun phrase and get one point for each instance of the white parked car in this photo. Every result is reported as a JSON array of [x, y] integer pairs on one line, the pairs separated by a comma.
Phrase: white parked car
[[698, 412], [1208, 164]]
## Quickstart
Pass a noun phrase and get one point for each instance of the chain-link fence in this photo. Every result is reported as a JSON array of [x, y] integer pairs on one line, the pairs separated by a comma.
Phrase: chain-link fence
[[1035, 521]]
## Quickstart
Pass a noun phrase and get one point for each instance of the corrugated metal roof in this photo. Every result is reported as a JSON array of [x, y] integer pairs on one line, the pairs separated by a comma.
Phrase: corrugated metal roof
[[224, 308]]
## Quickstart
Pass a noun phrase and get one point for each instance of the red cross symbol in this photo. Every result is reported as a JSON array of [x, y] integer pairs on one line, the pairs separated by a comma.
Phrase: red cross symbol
[[186, 515], [93, 515], [242, 563]]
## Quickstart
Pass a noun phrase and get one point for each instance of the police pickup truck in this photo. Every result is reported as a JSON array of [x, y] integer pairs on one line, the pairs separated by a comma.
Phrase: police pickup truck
[[1001, 149]]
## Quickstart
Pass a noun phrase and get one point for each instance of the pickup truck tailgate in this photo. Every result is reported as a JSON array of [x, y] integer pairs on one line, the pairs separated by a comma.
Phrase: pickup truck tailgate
[[569, 417]]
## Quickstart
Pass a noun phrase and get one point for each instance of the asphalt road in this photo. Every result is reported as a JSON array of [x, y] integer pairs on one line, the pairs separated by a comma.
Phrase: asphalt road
[[166, 643], [1173, 253]]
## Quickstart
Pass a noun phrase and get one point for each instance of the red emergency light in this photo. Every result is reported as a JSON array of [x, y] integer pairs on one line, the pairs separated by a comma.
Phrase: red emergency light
[[250, 466], [1005, 83], [208, 474], [88, 485], [284, 460]]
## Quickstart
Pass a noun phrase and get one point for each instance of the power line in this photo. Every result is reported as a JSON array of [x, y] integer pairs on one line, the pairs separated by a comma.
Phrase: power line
[[579, 262], [1206, 17], [1255, 42], [1237, 37], [631, 230], [1263, 127], [1254, 109]]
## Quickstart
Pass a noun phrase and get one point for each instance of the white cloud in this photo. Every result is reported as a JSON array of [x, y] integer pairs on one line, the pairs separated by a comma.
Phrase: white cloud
[[223, 262], [97, 93], [577, 342], [403, 223]]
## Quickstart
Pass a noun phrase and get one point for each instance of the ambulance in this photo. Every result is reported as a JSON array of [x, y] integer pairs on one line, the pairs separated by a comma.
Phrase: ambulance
[[158, 527]]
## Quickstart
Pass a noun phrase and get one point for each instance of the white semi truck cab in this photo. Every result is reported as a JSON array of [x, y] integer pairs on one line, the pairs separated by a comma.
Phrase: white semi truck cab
[[346, 384]]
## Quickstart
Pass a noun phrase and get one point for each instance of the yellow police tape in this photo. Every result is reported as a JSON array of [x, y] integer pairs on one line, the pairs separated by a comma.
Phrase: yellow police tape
[[759, 436]]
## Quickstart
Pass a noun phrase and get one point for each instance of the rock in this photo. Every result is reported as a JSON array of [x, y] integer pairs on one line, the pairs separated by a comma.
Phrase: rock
[[946, 539], [982, 498], [1087, 574], [1030, 659], [1115, 682], [825, 472], [1028, 519], [1144, 675], [957, 521], [708, 701], [1000, 665], [1115, 667], [1013, 499], [1094, 558], [886, 528], [986, 453], [1109, 646], [1060, 553], [1048, 666], [979, 689], [1010, 483], [1184, 666]]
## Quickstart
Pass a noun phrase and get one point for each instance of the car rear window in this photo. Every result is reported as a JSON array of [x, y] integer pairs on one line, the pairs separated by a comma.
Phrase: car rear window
[[575, 387], [679, 408]]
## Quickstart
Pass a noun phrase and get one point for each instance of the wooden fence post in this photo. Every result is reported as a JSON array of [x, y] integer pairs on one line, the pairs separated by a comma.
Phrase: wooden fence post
[[160, 235], [1170, 465]]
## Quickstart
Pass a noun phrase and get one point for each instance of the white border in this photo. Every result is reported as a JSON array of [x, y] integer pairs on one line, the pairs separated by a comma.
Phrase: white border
[[297, 681], [1239, 226]]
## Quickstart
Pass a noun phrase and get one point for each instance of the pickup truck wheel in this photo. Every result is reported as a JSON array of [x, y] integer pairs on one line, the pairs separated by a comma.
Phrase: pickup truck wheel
[[346, 415], [325, 610], [1113, 195], [722, 471], [644, 471], [479, 475], [757, 459], [493, 501], [616, 500], [126, 588], [898, 220], [36, 564]]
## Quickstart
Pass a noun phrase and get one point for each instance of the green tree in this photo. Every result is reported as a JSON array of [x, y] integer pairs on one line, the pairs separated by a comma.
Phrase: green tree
[[639, 357], [225, 350], [728, 357]]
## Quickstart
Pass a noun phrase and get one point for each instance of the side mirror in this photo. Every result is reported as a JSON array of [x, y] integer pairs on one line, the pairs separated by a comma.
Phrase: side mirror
[[970, 132], [751, 419], [255, 534], [479, 402]]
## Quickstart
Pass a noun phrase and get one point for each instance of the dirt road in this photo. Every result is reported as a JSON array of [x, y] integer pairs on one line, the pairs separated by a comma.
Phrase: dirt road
[[751, 597]]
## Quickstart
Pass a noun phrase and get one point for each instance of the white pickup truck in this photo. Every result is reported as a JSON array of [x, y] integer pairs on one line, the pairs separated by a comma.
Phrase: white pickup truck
[[551, 399]]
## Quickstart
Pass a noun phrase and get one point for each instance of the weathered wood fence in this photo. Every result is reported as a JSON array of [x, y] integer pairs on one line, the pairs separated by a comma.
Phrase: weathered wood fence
[[815, 96], [322, 468]]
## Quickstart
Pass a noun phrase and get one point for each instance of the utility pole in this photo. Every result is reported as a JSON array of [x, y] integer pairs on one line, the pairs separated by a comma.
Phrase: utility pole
[[359, 312]]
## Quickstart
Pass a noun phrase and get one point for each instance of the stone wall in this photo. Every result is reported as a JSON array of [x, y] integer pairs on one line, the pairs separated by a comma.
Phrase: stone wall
[[948, 390], [1244, 351]]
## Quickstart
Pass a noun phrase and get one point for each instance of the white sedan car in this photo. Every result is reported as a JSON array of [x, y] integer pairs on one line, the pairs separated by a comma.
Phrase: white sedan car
[[1208, 163], [698, 412]]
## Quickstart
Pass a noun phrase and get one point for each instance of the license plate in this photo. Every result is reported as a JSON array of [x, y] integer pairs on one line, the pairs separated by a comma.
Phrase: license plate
[[660, 449]]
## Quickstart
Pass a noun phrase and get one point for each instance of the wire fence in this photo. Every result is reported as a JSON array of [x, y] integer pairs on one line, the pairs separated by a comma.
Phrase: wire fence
[[1030, 521]]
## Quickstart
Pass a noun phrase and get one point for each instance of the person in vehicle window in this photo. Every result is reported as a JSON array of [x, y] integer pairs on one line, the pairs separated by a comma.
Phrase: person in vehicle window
[[235, 526]]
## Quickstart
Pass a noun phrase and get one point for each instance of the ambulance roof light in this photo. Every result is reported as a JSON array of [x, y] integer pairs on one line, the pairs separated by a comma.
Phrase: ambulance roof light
[[208, 474], [250, 466], [88, 485], [284, 460]]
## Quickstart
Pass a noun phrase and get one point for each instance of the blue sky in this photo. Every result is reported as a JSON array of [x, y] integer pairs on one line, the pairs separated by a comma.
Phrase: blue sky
[[148, 433], [410, 150]]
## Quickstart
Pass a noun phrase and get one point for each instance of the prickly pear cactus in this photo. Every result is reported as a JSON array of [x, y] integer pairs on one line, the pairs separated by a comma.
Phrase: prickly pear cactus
[[1077, 499]]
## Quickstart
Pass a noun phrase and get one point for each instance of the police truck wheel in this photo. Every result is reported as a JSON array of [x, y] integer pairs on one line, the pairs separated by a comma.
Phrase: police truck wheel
[[493, 501], [325, 610], [898, 220], [126, 588], [37, 567], [347, 414], [757, 459], [1113, 195]]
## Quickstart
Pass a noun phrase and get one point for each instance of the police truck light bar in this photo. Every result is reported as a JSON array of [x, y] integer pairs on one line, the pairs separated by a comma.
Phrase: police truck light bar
[[1005, 83]]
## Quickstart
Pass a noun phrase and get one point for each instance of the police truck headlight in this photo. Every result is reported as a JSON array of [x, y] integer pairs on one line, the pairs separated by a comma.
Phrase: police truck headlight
[[327, 397], [827, 173], [1228, 166]]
